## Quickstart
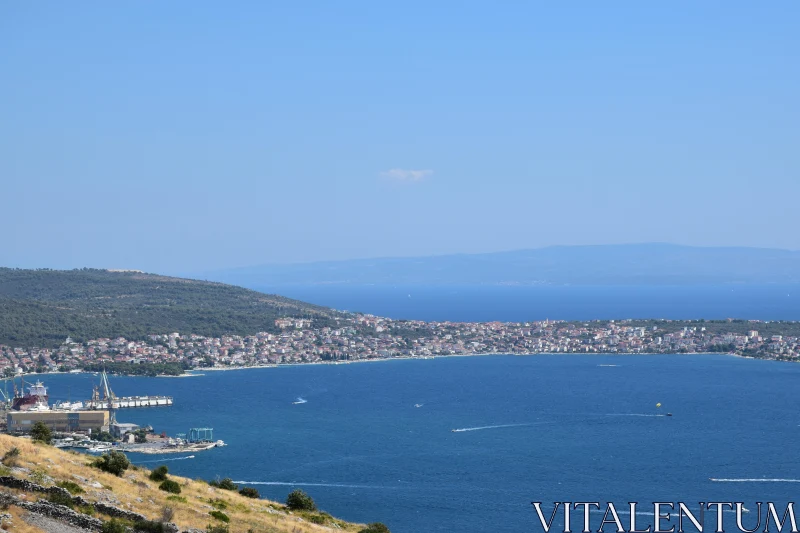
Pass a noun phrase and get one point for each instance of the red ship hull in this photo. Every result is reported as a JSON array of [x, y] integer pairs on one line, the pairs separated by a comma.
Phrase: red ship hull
[[26, 402]]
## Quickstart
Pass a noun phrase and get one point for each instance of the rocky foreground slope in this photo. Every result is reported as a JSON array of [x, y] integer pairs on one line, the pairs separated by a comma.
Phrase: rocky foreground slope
[[46, 489]]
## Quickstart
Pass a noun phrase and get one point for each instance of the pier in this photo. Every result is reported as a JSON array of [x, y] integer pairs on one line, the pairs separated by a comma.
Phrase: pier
[[112, 401], [123, 402]]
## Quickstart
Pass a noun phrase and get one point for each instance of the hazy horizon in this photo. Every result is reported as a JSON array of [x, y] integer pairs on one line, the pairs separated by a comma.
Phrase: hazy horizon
[[182, 271]]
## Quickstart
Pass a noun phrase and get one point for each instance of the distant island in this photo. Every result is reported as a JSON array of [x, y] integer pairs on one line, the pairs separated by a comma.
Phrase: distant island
[[134, 323], [631, 264]]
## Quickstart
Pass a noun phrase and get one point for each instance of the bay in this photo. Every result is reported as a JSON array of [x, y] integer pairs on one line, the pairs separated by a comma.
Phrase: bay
[[537, 428], [484, 303]]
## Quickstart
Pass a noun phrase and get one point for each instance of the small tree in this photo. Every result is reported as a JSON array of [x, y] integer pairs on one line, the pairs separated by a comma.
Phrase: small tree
[[159, 474], [140, 435], [102, 436], [113, 462], [375, 527], [41, 433], [300, 501]]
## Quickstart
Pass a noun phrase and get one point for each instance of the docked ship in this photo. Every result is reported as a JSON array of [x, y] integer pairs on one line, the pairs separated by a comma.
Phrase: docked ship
[[31, 400]]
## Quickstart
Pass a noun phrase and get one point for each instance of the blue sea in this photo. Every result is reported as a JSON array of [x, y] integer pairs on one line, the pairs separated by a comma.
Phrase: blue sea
[[532, 428], [520, 304]]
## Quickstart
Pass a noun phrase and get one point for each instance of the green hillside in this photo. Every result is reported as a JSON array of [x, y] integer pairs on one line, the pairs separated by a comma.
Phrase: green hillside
[[43, 307]]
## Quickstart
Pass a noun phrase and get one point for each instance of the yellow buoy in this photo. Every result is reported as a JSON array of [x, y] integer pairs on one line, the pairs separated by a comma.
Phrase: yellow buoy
[[658, 405]]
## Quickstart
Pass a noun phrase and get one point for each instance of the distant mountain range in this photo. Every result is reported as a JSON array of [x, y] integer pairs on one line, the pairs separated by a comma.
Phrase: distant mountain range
[[642, 264]]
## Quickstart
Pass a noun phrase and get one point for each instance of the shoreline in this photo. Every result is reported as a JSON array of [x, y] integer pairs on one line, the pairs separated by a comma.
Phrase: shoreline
[[200, 372], [384, 359]]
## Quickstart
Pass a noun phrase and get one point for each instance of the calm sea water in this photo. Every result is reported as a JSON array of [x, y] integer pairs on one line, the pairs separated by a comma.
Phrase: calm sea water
[[544, 428], [519, 304]]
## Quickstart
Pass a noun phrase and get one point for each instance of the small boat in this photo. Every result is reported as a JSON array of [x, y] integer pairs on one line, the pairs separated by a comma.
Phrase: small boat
[[98, 449], [669, 414], [417, 405]]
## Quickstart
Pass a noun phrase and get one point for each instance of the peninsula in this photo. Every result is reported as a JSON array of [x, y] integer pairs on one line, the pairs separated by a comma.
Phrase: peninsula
[[135, 323]]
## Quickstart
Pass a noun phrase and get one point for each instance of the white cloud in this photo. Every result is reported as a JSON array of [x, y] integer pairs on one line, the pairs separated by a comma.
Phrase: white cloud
[[399, 174]]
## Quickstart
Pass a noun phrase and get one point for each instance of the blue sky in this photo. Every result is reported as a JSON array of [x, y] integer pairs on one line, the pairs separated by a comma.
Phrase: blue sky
[[186, 136]]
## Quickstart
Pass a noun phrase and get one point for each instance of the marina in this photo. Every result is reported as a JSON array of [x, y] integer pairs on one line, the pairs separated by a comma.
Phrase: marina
[[91, 426], [155, 446]]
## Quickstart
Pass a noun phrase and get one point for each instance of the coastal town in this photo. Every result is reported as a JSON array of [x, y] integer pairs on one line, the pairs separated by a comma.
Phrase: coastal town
[[359, 337]]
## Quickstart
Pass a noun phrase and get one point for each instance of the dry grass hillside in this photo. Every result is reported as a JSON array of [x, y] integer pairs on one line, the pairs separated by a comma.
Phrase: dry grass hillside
[[134, 491]]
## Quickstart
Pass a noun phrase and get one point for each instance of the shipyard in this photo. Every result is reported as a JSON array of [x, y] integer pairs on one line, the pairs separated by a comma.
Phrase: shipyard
[[92, 425]]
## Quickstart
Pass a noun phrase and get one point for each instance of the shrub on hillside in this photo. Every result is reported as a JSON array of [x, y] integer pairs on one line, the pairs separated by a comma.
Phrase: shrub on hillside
[[113, 462], [219, 515], [11, 456], [300, 501], [39, 476], [375, 527], [216, 503], [226, 484], [61, 499], [218, 528], [86, 509], [71, 486], [149, 526], [159, 474], [249, 492], [113, 526], [169, 485]]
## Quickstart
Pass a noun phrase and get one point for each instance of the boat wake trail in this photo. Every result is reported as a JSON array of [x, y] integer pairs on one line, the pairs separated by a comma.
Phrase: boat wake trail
[[754, 480], [608, 365], [299, 401], [461, 430], [172, 459], [632, 414], [300, 484]]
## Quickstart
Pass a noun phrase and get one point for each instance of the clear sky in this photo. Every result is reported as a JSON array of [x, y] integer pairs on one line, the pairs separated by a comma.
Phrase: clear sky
[[186, 136]]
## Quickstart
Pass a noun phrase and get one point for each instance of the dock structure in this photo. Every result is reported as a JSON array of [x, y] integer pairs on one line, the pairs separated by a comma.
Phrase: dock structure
[[122, 402], [200, 435], [112, 402]]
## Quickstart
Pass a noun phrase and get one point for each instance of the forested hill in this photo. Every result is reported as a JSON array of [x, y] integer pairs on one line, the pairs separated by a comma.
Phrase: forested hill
[[43, 307]]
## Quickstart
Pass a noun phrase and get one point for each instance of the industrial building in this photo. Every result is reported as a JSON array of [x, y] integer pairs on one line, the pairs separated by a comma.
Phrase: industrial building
[[63, 421], [119, 429]]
